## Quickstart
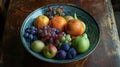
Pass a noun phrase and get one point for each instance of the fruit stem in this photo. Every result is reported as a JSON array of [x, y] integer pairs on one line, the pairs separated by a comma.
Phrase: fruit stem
[[75, 16]]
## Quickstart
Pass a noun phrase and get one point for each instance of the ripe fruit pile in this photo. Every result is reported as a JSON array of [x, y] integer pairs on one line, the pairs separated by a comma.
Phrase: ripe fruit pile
[[57, 36]]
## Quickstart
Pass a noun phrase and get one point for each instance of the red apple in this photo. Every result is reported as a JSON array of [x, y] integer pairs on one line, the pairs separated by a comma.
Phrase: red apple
[[50, 51]]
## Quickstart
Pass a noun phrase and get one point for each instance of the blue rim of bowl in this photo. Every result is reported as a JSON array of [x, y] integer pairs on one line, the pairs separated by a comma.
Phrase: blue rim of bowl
[[59, 61]]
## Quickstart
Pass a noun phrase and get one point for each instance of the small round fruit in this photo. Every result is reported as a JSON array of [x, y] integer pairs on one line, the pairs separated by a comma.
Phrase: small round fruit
[[63, 39], [71, 53], [41, 21], [61, 55], [37, 46], [68, 37], [65, 46], [50, 51], [67, 18], [58, 22]]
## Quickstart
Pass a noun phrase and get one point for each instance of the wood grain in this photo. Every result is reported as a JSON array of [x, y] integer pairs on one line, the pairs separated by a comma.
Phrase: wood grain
[[106, 54]]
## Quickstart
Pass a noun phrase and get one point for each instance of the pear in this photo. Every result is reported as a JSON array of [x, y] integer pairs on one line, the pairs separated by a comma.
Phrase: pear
[[81, 43]]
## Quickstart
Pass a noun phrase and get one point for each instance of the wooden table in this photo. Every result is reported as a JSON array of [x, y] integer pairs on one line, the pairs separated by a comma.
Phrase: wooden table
[[106, 54]]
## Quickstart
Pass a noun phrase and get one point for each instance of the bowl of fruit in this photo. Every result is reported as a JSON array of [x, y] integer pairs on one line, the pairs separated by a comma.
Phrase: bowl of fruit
[[60, 33]]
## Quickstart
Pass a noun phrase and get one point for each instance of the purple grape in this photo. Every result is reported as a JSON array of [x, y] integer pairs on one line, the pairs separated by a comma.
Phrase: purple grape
[[35, 38], [26, 35], [46, 33], [33, 32], [49, 34], [30, 37], [50, 15], [51, 40], [53, 29], [32, 28], [57, 31], [41, 31], [61, 7], [28, 30], [49, 8], [45, 28], [57, 41]]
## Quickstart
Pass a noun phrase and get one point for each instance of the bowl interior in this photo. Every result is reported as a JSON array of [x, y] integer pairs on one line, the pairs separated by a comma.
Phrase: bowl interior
[[92, 30]]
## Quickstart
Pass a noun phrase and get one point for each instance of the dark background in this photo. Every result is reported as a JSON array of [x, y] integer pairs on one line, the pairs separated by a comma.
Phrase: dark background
[[4, 7]]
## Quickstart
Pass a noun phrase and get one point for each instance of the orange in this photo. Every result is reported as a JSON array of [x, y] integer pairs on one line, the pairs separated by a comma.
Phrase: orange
[[41, 21], [58, 22], [75, 27]]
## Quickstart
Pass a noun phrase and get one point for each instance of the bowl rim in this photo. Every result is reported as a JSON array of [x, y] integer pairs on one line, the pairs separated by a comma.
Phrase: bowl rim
[[58, 61]]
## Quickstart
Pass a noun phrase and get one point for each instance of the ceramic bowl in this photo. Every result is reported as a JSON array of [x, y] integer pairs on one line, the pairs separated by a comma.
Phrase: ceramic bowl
[[92, 30]]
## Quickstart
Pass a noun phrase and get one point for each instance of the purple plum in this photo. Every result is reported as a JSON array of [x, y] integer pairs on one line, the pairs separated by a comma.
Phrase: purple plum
[[71, 53], [61, 55], [65, 46]]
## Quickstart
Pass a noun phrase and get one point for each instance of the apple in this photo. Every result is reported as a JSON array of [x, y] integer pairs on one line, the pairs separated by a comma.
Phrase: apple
[[37, 46], [81, 43], [50, 51]]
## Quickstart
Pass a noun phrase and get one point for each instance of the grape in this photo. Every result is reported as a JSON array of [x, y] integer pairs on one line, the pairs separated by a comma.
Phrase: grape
[[41, 31], [49, 8], [57, 41], [51, 40], [48, 34], [28, 30], [68, 37], [57, 31], [32, 28], [30, 37], [26, 35], [30, 34], [35, 38], [33, 32], [63, 39], [58, 11]]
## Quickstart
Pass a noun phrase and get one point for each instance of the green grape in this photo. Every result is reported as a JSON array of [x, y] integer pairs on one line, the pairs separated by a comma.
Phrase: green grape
[[68, 37], [63, 39], [66, 41]]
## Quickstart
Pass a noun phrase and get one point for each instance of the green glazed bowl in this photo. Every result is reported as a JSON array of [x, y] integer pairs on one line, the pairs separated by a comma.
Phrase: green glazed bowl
[[92, 30]]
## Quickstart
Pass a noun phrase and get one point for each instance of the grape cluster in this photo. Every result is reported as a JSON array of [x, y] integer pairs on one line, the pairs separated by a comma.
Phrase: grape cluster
[[30, 34], [66, 39], [50, 35], [55, 12]]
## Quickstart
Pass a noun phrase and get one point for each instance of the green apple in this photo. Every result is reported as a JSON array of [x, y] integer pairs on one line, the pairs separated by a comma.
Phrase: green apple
[[37, 46], [81, 43], [50, 51]]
